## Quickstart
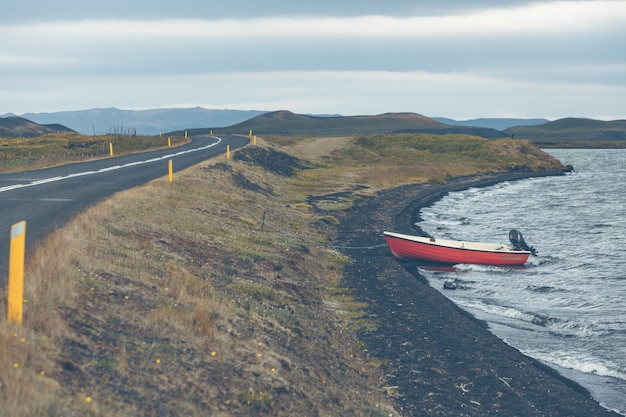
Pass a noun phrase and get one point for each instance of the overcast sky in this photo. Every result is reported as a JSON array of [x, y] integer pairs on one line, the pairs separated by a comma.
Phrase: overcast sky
[[452, 58]]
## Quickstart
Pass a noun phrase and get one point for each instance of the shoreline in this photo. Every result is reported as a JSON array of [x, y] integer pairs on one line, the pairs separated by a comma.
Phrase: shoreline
[[442, 359]]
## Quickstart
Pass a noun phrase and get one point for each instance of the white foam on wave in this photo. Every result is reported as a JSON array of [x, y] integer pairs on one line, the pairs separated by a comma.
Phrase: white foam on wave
[[572, 328], [502, 311], [560, 327], [578, 362], [482, 268]]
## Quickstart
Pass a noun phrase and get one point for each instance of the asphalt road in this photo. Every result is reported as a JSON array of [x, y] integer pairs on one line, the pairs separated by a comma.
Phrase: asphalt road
[[48, 198]]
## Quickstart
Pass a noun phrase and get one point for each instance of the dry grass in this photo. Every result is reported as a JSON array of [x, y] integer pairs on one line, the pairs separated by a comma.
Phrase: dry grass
[[174, 299], [18, 154], [174, 291]]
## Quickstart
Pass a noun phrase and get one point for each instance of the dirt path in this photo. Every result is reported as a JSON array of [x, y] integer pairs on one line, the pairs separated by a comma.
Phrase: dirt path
[[442, 360]]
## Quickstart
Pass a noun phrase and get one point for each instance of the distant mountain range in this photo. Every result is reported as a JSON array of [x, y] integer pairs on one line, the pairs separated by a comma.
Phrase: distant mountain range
[[154, 121], [494, 123], [200, 120], [144, 122]]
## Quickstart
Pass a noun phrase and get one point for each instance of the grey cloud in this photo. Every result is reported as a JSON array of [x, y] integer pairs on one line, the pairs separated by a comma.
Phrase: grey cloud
[[532, 57], [42, 10], [149, 70]]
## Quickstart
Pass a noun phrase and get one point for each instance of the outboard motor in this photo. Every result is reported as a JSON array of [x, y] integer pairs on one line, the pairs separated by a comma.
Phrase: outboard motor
[[518, 242]]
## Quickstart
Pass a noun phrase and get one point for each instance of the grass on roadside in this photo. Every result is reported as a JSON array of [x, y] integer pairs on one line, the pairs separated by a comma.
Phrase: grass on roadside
[[61, 148]]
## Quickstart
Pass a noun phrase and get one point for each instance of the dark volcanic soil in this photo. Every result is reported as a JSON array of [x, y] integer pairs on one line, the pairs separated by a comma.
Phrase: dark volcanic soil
[[443, 361]]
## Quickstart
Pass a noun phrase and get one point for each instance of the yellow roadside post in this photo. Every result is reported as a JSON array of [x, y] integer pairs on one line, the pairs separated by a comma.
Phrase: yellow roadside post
[[110, 149], [250, 135], [16, 272], [227, 151], [254, 141], [169, 169], [169, 142]]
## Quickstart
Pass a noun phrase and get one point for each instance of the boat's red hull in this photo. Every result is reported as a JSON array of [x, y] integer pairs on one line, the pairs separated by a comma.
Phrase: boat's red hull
[[411, 250]]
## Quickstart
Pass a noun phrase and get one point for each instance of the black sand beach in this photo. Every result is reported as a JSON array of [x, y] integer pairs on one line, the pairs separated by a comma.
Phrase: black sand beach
[[440, 360]]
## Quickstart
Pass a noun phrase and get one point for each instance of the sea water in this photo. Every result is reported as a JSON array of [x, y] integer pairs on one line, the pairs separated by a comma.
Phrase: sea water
[[567, 306]]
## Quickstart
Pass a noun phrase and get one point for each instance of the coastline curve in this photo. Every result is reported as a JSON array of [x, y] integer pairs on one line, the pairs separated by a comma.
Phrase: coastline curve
[[443, 359]]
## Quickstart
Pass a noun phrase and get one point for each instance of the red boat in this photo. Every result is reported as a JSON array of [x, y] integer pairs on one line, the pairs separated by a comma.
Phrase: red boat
[[418, 248]]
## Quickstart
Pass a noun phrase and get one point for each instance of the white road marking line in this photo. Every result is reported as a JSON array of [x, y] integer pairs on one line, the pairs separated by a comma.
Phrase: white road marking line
[[112, 168]]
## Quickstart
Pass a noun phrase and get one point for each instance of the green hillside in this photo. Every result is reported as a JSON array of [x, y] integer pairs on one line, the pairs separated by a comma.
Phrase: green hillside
[[574, 132], [288, 123], [568, 132]]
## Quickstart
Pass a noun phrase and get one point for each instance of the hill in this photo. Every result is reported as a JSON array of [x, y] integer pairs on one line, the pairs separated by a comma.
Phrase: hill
[[573, 131], [288, 123], [19, 127], [145, 122], [497, 123]]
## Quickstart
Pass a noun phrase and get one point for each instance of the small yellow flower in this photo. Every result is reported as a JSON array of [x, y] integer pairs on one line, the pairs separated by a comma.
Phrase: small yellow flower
[[213, 353], [258, 355], [158, 360], [23, 339], [42, 373], [273, 369], [87, 399], [16, 365]]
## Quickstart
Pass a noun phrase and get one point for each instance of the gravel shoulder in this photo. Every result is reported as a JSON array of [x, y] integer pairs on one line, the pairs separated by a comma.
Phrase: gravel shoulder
[[439, 360]]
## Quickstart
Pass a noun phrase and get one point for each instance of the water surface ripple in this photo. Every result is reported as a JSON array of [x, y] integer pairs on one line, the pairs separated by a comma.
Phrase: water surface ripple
[[566, 307]]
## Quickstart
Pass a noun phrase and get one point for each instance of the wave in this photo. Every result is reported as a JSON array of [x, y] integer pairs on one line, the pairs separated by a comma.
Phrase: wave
[[542, 288], [564, 328], [487, 268], [572, 328], [504, 311], [578, 362]]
